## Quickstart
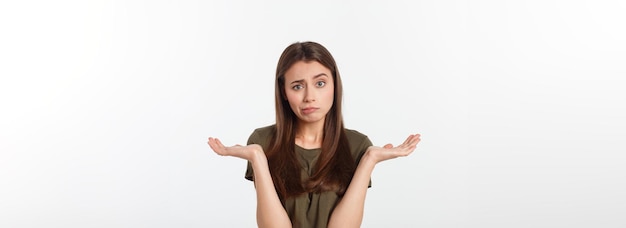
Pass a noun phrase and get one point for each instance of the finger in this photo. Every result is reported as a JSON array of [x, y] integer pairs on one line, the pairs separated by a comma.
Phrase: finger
[[408, 139], [415, 139], [216, 145], [219, 143], [408, 142], [213, 144], [388, 146]]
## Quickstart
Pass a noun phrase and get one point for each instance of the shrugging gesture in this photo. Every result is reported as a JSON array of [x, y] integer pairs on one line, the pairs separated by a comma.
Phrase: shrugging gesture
[[313, 157]]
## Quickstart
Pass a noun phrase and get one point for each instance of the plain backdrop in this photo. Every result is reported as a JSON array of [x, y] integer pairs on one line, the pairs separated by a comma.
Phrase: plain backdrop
[[106, 107]]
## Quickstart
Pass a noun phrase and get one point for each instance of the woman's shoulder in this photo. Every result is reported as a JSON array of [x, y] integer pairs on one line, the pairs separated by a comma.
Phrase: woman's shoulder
[[262, 135], [354, 134], [357, 139], [358, 142], [265, 130]]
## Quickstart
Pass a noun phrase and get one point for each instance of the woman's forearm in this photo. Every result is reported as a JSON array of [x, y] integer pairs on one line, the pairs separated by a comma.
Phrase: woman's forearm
[[269, 211], [349, 211]]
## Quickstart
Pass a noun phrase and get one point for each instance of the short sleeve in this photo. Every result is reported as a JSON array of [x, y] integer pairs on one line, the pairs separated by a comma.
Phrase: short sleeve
[[362, 148], [260, 136], [361, 151], [359, 143], [249, 172]]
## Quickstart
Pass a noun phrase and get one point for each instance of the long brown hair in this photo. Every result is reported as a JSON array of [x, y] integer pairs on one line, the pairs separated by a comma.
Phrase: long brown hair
[[335, 166]]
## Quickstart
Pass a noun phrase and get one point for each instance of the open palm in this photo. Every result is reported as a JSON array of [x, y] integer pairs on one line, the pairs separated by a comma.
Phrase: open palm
[[389, 151], [248, 152]]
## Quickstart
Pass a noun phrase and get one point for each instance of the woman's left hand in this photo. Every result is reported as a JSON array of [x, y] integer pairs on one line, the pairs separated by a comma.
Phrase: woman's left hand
[[388, 151]]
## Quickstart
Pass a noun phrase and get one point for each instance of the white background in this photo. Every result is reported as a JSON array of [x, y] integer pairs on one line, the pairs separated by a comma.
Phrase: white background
[[106, 107]]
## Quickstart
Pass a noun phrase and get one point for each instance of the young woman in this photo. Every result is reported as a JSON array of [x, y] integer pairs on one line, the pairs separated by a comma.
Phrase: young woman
[[308, 170]]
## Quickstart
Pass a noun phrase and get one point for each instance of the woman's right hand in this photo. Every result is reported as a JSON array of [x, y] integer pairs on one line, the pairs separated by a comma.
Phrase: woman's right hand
[[250, 152]]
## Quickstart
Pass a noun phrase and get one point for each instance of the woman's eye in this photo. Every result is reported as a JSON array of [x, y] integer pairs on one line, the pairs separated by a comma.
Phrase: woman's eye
[[297, 87], [321, 83]]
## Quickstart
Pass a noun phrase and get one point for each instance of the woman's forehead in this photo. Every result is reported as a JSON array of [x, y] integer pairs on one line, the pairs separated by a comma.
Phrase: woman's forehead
[[306, 70]]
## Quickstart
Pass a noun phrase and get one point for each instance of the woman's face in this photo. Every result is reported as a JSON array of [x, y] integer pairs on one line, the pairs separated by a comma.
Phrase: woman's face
[[309, 88]]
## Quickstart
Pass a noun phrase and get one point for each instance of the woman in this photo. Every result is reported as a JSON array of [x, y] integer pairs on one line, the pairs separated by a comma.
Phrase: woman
[[308, 170]]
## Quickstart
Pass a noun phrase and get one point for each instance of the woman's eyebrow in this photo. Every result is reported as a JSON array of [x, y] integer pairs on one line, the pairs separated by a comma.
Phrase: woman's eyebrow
[[320, 75], [314, 77]]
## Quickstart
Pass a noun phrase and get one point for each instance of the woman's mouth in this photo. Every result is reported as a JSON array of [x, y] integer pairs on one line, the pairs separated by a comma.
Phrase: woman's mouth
[[309, 110]]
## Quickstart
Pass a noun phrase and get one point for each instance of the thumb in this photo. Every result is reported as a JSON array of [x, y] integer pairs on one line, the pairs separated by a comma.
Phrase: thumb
[[388, 146]]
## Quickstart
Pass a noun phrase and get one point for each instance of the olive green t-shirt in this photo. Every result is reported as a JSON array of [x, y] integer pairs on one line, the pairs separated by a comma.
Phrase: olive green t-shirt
[[309, 210]]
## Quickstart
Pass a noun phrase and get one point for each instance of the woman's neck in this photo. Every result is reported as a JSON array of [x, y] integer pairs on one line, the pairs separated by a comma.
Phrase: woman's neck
[[310, 135]]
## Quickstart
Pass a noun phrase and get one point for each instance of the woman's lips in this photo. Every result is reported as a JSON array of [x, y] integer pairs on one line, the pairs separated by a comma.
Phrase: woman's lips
[[309, 110]]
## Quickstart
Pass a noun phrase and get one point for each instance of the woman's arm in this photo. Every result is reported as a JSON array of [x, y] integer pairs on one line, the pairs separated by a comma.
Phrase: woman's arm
[[269, 211], [349, 211]]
